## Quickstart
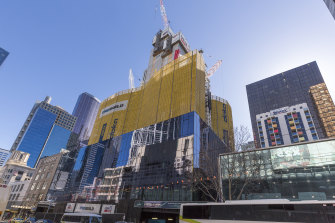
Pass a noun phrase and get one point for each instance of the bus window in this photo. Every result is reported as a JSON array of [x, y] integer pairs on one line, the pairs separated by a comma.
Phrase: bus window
[[197, 212]]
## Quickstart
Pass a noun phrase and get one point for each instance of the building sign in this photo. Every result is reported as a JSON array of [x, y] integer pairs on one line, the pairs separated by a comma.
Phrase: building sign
[[70, 207], [180, 37], [107, 209], [118, 106], [87, 208], [279, 111], [157, 204], [113, 128]]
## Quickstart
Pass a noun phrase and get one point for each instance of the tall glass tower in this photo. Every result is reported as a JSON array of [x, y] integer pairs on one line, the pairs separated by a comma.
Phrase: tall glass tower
[[3, 55], [45, 132], [86, 110]]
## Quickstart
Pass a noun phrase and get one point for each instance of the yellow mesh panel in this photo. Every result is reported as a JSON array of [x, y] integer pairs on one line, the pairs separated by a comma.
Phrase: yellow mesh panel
[[150, 101], [116, 123], [107, 119], [176, 89], [181, 93], [165, 93], [214, 117], [134, 105]]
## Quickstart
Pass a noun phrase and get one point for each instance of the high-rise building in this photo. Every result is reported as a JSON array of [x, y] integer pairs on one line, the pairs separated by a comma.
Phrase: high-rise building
[[331, 6], [45, 132], [3, 55], [160, 133], [86, 110], [280, 96], [325, 108], [4, 155]]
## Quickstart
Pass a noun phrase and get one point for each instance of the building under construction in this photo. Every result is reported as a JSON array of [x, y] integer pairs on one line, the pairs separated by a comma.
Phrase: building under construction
[[155, 142]]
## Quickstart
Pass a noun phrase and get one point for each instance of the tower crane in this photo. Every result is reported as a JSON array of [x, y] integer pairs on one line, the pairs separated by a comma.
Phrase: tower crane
[[213, 69], [164, 16]]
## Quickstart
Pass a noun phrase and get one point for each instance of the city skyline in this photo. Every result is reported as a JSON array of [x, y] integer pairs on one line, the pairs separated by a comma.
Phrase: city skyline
[[101, 67]]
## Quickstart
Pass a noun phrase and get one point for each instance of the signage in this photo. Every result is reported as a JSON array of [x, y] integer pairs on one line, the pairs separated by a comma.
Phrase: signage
[[181, 38], [184, 43], [107, 209], [87, 208], [279, 111], [70, 207], [118, 106], [157, 204]]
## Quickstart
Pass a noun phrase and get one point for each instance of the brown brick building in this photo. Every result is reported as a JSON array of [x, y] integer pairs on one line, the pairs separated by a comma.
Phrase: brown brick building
[[325, 108]]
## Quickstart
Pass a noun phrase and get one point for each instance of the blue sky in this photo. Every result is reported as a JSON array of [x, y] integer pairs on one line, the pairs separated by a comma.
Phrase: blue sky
[[63, 48]]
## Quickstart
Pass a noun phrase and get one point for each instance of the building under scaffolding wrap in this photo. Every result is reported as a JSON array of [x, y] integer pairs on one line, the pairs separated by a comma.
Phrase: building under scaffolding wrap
[[147, 142]]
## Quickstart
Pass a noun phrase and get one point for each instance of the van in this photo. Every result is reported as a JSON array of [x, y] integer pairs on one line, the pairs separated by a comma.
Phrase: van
[[81, 218]]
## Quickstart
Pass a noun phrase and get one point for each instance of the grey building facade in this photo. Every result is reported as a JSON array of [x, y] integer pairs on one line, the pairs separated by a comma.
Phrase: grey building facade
[[285, 89], [86, 110], [3, 55], [331, 6]]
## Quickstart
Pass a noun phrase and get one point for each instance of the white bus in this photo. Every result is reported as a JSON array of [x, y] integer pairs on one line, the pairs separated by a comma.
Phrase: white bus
[[278, 210]]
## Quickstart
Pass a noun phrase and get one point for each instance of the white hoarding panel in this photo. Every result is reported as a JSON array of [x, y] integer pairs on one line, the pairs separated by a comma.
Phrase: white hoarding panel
[[87, 208], [70, 207], [108, 209]]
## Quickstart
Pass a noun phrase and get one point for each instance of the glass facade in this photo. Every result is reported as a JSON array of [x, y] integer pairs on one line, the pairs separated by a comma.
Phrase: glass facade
[[46, 131], [3, 55], [57, 140], [156, 159], [304, 171], [85, 110], [286, 89], [36, 134]]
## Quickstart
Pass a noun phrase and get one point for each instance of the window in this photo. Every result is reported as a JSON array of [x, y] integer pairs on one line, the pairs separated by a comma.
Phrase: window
[[44, 186], [33, 186], [38, 185]]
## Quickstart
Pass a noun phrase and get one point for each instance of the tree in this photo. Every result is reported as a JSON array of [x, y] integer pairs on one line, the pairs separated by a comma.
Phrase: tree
[[242, 136], [239, 171], [206, 180]]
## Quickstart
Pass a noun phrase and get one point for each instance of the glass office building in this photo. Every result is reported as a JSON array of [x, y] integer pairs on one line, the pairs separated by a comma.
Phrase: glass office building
[[331, 6], [284, 90], [4, 156], [45, 132], [3, 55], [304, 171], [86, 110]]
